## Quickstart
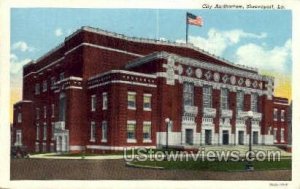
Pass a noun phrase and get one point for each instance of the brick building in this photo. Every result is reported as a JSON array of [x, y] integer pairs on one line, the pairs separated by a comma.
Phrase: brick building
[[105, 91]]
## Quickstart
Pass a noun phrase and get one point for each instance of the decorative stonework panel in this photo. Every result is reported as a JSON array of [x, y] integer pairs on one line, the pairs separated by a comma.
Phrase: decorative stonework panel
[[241, 81], [248, 82], [180, 69], [216, 77], [254, 84], [225, 78], [198, 73], [208, 75], [189, 71], [233, 80]]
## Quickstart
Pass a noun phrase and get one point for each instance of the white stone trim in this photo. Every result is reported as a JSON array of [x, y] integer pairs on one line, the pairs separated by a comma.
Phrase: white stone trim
[[123, 72], [147, 94], [131, 121], [101, 147], [74, 87], [285, 104], [147, 141], [123, 82], [76, 147], [131, 140], [131, 93]]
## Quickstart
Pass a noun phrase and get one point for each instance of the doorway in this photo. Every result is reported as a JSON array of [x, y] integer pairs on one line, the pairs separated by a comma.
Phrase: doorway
[[255, 137], [208, 137], [225, 137], [189, 136], [241, 138]]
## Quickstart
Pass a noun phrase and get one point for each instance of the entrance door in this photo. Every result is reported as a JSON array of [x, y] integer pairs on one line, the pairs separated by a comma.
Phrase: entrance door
[[189, 136], [59, 144], [225, 137], [241, 138], [255, 137], [208, 137]]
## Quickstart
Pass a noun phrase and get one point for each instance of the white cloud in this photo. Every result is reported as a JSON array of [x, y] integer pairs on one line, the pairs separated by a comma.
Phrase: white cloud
[[16, 65], [217, 41], [58, 32], [22, 46], [274, 59]]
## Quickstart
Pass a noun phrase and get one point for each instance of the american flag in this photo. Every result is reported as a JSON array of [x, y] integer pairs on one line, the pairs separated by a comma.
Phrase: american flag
[[193, 19]]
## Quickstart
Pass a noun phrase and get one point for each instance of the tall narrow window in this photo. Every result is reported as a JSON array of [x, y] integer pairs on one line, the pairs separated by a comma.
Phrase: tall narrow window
[[104, 131], [19, 117], [275, 134], [275, 114], [37, 88], [62, 107], [254, 102], [45, 86], [37, 113], [37, 131], [52, 130], [188, 94], [131, 125], [93, 132], [147, 131], [147, 102], [18, 138], [282, 135], [224, 99], [207, 96], [52, 112], [282, 115], [93, 103], [131, 98], [240, 100], [45, 132], [45, 112], [104, 101]]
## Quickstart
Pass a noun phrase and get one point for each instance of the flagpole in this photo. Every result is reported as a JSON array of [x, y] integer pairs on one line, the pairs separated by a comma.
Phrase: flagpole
[[186, 29]]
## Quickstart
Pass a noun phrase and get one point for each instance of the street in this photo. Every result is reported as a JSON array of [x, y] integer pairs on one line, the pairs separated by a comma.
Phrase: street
[[77, 169]]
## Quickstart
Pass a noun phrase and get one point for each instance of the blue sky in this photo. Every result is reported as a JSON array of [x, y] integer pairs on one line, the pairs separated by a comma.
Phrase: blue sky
[[255, 38]]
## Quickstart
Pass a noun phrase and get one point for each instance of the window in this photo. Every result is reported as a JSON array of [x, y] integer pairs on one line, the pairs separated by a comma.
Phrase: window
[[62, 76], [131, 131], [282, 135], [19, 117], [207, 97], [37, 88], [147, 131], [62, 107], [104, 131], [275, 114], [254, 102], [104, 101], [45, 112], [18, 138], [93, 132], [52, 81], [45, 132], [37, 147], [282, 115], [147, 101], [131, 100], [275, 134], [37, 131], [37, 113], [240, 101], [44, 147], [188, 94], [52, 130], [224, 99], [52, 112], [93, 103], [44, 85]]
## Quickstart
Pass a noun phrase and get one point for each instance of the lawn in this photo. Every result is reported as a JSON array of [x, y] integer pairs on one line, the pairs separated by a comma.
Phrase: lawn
[[219, 166]]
